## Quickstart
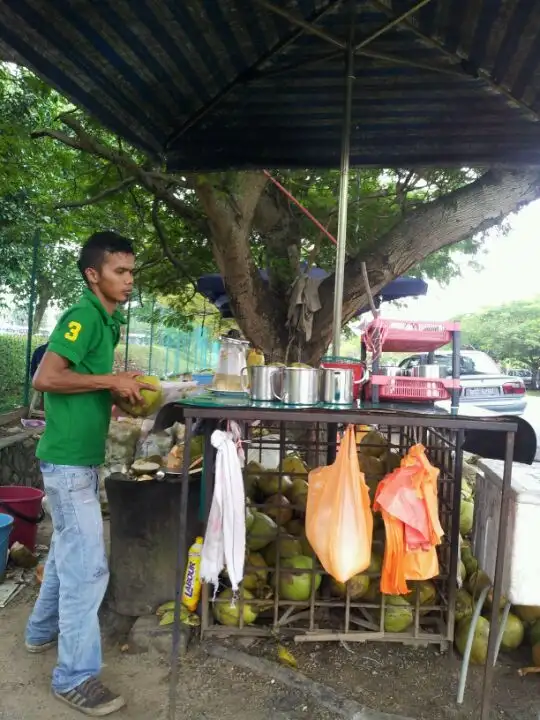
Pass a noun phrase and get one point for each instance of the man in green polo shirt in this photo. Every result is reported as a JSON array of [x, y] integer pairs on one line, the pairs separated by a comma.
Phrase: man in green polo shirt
[[76, 377]]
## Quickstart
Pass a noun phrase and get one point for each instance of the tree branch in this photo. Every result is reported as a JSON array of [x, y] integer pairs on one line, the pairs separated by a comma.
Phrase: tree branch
[[165, 245], [103, 195], [156, 183], [459, 215]]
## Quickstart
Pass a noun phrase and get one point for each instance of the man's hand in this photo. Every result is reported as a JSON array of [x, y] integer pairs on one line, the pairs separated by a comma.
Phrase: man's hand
[[125, 385]]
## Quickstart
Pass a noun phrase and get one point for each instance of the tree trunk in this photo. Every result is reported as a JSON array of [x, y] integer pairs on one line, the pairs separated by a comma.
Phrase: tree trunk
[[43, 299]]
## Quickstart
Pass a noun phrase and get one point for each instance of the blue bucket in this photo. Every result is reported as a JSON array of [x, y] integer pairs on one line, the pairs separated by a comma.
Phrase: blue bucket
[[6, 523]]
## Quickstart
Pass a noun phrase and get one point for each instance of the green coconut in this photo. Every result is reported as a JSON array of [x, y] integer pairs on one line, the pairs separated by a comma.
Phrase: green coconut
[[294, 465], [358, 587], [426, 590], [250, 518], [279, 509], [289, 546], [398, 614], [297, 586], [466, 490], [151, 399], [462, 572], [263, 531], [464, 605], [228, 612], [295, 527], [375, 564], [477, 582], [390, 461], [466, 516], [513, 633], [196, 447], [374, 444], [297, 494], [468, 559], [528, 613], [371, 466], [480, 640], [255, 579], [373, 593], [274, 485]]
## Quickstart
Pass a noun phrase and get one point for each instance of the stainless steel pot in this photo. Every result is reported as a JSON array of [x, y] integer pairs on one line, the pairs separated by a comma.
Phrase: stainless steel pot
[[432, 372], [257, 380], [300, 386], [337, 385], [390, 371]]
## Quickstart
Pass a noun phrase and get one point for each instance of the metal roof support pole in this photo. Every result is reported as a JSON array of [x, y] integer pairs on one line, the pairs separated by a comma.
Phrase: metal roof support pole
[[344, 185], [31, 311]]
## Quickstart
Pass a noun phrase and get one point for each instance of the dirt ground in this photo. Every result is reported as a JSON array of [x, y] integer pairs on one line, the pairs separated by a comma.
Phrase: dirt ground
[[417, 683]]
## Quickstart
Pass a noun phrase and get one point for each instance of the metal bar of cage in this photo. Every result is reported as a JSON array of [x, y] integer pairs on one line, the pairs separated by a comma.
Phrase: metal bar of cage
[[434, 623]]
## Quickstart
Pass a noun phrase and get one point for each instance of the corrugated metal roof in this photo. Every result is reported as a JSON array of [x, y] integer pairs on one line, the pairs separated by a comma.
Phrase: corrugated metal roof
[[229, 83]]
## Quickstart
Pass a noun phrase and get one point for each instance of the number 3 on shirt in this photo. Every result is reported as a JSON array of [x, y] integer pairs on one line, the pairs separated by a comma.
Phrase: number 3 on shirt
[[74, 330]]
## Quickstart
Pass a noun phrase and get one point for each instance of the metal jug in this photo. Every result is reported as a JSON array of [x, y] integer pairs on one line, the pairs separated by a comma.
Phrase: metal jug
[[337, 385], [300, 386], [257, 380]]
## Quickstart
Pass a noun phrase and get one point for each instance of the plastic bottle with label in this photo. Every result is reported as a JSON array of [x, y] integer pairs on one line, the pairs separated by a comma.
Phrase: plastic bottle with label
[[191, 593]]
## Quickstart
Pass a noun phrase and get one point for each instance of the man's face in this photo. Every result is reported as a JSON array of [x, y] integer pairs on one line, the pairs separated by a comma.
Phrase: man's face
[[115, 277]]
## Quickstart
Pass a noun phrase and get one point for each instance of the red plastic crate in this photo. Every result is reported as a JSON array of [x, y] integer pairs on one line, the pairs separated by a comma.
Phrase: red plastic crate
[[410, 389], [344, 363], [409, 336]]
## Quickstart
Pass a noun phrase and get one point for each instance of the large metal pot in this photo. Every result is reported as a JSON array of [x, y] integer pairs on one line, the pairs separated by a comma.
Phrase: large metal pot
[[390, 371], [300, 386], [337, 385], [431, 372], [259, 382]]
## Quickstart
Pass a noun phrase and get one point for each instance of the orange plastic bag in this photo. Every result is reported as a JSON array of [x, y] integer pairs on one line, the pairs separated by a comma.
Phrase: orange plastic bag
[[407, 499], [339, 523]]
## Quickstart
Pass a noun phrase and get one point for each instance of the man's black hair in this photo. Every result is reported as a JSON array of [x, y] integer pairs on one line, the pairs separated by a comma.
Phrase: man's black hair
[[93, 251]]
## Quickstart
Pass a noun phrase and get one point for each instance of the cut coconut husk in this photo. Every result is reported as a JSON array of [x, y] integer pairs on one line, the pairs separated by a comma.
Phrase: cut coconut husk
[[22, 556], [144, 467]]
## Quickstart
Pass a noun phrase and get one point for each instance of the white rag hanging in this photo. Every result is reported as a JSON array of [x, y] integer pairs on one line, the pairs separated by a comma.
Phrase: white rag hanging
[[225, 539]]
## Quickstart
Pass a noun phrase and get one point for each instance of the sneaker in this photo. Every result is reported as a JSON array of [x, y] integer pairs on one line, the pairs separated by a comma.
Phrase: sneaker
[[92, 698], [42, 647]]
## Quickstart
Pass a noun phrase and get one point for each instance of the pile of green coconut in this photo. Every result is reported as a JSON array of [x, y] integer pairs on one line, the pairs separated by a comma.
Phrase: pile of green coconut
[[277, 546], [522, 624]]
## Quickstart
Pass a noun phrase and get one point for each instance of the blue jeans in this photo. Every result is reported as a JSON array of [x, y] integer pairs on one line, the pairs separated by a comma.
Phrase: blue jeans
[[75, 576]]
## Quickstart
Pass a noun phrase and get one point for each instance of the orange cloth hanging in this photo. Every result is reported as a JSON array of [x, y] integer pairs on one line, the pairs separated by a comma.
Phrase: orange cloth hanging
[[407, 500]]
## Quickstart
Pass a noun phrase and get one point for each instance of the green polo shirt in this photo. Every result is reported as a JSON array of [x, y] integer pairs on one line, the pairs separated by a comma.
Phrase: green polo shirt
[[77, 425]]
